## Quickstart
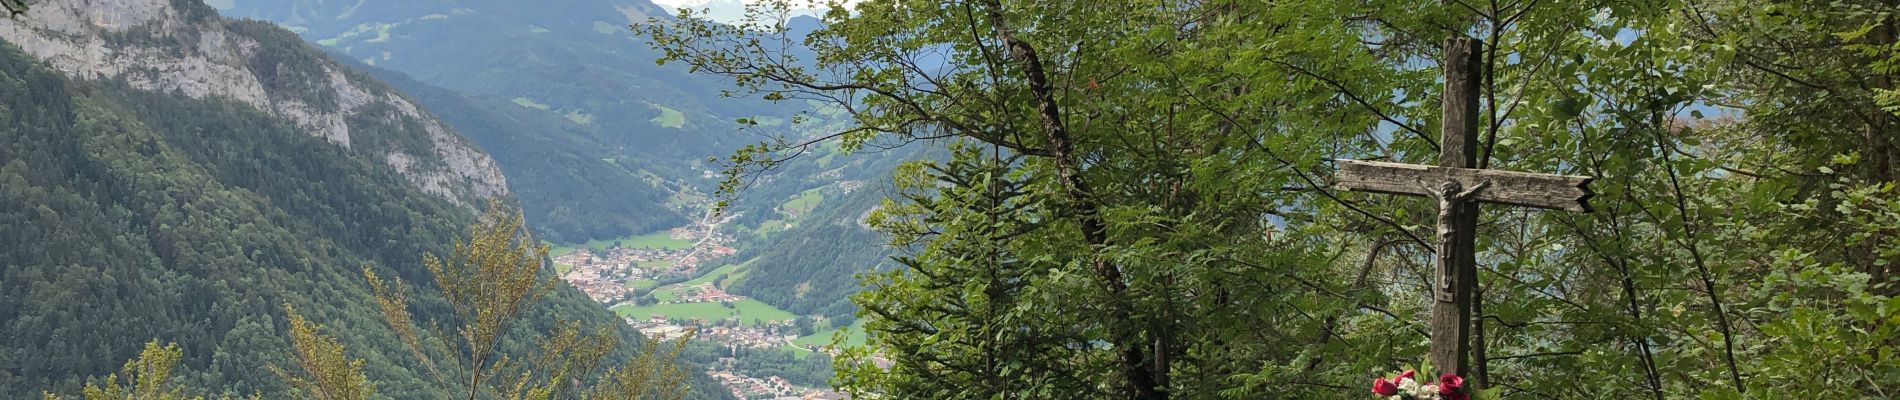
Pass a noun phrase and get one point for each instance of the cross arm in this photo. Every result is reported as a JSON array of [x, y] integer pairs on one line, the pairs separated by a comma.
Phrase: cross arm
[[1549, 191]]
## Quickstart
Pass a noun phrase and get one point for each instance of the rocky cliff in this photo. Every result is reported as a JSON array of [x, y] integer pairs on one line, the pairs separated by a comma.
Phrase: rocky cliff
[[182, 46]]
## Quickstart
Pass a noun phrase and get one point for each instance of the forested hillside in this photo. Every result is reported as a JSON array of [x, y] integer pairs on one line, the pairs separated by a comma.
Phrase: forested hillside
[[584, 123], [809, 239], [165, 199], [1141, 200], [592, 112], [573, 188]]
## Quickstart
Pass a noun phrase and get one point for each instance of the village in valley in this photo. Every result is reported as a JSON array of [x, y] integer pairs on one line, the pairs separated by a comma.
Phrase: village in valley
[[651, 283]]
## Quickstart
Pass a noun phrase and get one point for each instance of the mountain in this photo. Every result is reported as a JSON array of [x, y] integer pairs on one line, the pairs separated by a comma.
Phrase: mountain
[[804, 236], [184, 48], [167, 174], [572, 188], [563, 94], [573, 58], [552, 88]]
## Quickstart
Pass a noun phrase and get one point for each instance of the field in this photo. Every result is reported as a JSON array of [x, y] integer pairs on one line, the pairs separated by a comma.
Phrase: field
[[380, 29], [749, 311], [580, 117], [767, 228], [530, 103], [804, 203], [669, 118], [657, 240], [855, 337], [709, 276], [641, 284], [602, 27]]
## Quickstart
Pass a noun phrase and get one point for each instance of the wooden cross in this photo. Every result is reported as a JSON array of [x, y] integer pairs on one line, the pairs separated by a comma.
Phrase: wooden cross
[[1459, 186]]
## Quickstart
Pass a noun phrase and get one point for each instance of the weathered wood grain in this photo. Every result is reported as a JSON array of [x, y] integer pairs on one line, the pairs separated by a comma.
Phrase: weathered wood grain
[[1458, 219], [1560, 192]]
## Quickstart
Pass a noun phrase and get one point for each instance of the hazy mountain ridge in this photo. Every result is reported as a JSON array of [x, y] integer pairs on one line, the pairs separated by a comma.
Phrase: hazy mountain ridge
[[182, 46], [573, 58]]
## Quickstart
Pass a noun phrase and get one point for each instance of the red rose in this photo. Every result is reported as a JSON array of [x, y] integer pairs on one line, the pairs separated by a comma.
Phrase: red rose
[[1384, 387], [1407, 375], [1452, 387]]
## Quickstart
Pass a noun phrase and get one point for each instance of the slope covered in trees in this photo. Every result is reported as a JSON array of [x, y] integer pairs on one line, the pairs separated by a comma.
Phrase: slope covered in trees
[[572, 188], [578, 63], [135, 215], [572, 111], [1140, 203]]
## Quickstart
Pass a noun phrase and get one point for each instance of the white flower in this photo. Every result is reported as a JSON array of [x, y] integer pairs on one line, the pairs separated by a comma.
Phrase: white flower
[[1417, 391], [1408, 385]]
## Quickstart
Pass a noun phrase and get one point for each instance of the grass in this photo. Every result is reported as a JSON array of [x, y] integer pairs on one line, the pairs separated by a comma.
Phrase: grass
[[669, 118], [562, 268], [380, 29], [667, 295], [709, 276], [641, 284], [580, 117], [825, 162], [530, 103], [804, 203], [749, 311], [674, 291], [854, 336], [770, 227], [657, 240], [604, 28]]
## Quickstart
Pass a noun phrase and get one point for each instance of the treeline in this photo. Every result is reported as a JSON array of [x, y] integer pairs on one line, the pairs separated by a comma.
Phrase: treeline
[[1139, 202]]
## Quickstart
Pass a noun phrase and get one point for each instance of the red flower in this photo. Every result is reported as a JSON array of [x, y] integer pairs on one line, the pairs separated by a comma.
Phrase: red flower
[[1384, 387], [1452, 387], [1407, 375]]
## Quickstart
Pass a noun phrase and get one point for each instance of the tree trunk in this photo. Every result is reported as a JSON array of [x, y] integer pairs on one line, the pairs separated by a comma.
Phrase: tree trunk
[[1143, 380]]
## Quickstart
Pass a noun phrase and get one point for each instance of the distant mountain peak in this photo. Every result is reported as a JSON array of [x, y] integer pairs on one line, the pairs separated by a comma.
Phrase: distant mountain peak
[[185, 47]]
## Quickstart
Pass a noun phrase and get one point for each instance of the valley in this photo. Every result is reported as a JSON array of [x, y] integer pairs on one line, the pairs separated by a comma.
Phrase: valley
[[674, 283]]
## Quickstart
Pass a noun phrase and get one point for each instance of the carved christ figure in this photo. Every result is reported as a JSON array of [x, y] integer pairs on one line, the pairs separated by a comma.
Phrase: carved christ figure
[[1450, 195]]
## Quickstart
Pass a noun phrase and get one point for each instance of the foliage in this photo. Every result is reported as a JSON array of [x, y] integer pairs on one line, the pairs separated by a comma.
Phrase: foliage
[[489, 281], [145, 377], [1175, 235], [327, 374]]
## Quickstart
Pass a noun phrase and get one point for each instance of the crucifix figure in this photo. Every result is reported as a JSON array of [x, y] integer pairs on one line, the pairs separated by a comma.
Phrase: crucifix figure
[[1451, 196], [1459, 186]]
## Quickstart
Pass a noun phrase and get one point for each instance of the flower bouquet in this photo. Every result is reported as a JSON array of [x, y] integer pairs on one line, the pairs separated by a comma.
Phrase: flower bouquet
[[1405, 387]]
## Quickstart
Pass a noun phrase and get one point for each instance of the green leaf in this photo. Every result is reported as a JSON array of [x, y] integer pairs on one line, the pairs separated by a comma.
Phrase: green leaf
[[1850, 36]]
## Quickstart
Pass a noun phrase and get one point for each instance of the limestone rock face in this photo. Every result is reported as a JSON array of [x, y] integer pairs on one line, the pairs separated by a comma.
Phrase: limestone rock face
[[182, 46]]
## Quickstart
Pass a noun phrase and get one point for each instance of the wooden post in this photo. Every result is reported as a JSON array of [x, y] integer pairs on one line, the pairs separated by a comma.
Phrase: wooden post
[[1457, 263], [1459, 187]]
